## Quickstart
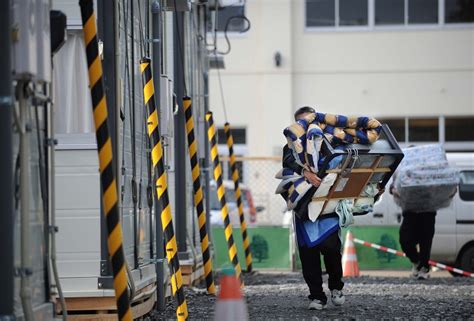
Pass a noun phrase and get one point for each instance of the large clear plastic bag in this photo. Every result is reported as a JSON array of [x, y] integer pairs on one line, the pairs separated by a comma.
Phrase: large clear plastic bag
[[424, 180]]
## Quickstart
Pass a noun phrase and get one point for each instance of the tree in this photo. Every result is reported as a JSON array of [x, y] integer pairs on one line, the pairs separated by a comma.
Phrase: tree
[[259, 247]]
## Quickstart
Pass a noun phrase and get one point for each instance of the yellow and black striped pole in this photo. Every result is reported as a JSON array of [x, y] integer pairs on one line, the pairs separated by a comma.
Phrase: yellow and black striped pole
[[238, 197], [198, 195], [161, 185], [107, 174], [232, 248]]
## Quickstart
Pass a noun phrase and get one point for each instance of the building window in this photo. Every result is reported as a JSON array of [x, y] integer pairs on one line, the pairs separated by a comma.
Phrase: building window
[[459, 129], [330, 13], [353, 12], [422, 11], [423, 130], [320, 13], [238, 135], [389, 12], [397, 127], [459, 11], [223, 15], [347, 13]]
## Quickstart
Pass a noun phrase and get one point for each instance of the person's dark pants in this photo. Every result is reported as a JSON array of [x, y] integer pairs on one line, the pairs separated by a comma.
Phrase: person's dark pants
[[417, 229], [311, 263]]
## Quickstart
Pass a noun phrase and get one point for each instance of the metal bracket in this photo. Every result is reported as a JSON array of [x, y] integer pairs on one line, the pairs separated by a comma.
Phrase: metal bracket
[[6, 101], [134, 192], [104, 268], [152, 40], [53, 229], [51, 141], [105, 283], [22, 272]]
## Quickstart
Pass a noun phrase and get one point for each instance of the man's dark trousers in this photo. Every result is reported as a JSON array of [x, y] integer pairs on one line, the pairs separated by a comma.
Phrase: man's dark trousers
[[417, 228], [310, 258]]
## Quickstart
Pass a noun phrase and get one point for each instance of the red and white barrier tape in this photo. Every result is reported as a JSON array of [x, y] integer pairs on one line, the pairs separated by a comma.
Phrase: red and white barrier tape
[[399, 253]]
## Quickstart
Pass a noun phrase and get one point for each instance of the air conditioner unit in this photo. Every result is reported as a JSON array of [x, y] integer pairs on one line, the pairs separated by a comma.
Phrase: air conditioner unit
[[225, 3]]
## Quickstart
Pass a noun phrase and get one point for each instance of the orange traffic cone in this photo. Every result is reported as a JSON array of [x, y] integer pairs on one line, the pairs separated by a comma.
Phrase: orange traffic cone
[[230, 305], [350, 266]]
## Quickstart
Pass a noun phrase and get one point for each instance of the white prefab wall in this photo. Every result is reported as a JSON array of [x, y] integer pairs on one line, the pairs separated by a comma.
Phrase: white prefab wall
[[395, 72]]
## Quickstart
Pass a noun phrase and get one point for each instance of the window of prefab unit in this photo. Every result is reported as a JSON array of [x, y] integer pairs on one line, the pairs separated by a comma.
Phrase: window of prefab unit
[[223, 16], [459, 129], [459, 11], [466, 186], [423, 129], [72, 100]]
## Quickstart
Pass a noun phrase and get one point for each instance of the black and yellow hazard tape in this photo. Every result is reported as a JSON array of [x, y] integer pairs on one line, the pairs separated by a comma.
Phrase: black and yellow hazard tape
[[162, 189], [107, 174], [232, 248], [238, 196], [198, 195]]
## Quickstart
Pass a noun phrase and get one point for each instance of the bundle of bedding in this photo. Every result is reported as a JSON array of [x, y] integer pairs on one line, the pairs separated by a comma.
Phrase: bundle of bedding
[[305, 138], [425, 181]]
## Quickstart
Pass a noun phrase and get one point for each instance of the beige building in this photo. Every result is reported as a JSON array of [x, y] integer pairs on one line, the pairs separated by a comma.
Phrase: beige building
[[408, 63]]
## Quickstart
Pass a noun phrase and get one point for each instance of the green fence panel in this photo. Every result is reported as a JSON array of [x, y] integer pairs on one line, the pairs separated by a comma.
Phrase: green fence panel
[[270, 247]]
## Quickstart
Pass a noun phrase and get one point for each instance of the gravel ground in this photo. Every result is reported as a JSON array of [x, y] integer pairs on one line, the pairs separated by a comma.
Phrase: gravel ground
[[283, 296]]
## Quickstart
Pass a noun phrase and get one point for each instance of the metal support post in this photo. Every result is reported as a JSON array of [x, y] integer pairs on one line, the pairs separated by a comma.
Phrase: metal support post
[[180, 138], [6, 166], [160, 250]]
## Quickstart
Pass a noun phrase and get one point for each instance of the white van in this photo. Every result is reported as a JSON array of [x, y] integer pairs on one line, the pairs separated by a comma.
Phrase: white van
[[453, 242]]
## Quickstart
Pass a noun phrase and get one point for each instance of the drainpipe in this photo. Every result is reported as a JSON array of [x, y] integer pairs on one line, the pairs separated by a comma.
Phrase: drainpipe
[[25, 270]]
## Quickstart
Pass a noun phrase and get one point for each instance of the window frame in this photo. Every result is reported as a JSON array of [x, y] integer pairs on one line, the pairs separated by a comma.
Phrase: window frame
[[450, 146], [371, 26]]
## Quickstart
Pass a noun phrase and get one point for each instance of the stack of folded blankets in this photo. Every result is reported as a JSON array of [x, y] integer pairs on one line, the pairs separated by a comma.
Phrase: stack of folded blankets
[[424, 180]]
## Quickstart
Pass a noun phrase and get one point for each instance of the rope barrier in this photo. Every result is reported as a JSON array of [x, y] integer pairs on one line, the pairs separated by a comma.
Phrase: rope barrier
[[161, 185], [198, 195], [238, 197], [107, 174], [232, 249], [399, 253]]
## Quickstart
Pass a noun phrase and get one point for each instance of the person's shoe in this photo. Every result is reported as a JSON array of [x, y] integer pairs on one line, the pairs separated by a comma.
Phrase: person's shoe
[[316, 305], [337, 297], [424, 273], [414, 271]]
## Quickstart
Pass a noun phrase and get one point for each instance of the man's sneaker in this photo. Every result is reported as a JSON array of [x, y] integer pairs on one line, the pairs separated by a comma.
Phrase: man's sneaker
[[414, 271], [337, 297], [424, 273], [316, 305]]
